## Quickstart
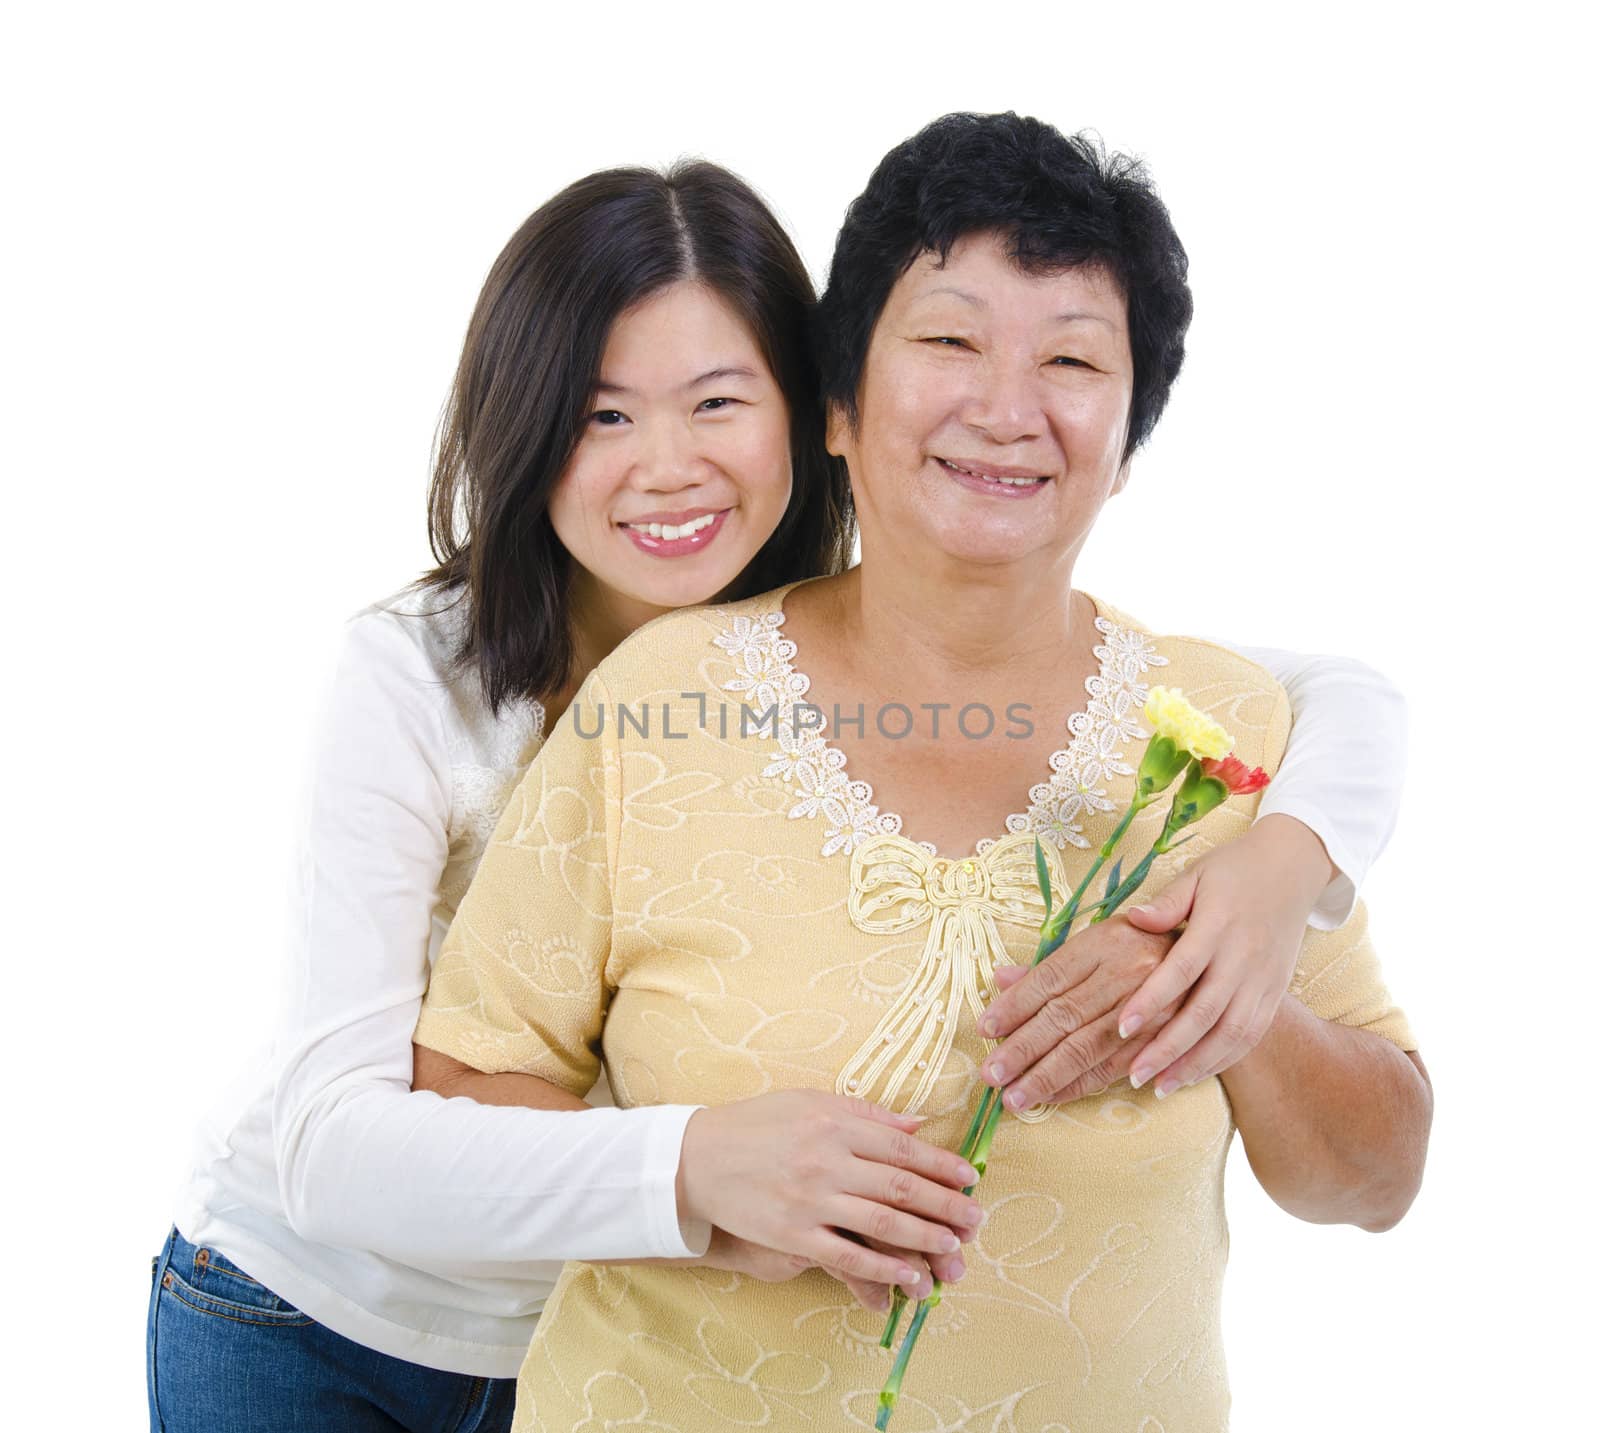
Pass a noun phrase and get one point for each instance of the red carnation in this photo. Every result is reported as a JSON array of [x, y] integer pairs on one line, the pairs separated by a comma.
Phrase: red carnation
[[1240, 779]]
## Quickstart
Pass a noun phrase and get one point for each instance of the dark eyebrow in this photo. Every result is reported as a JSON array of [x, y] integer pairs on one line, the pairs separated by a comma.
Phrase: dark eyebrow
[[735, 371], [708, 376]]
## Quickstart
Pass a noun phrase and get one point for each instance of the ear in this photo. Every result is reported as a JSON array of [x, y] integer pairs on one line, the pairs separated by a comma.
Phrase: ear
[[1122, 477], [839, 430]]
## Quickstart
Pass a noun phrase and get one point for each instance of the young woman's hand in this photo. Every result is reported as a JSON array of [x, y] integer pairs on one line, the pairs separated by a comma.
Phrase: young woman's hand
[[728, 1251], [1122, 999], [833, 1181], [1246, 904]]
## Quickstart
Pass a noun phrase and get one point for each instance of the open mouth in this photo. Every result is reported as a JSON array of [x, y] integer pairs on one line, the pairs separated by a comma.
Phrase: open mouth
[[688, 533], [984, 477]]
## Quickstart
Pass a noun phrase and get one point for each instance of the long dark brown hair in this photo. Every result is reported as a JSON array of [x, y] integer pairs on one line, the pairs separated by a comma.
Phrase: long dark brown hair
[[527, 378]]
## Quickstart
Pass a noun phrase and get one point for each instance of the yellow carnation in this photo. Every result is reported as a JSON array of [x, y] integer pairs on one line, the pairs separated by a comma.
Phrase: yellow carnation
[[1185, 725]]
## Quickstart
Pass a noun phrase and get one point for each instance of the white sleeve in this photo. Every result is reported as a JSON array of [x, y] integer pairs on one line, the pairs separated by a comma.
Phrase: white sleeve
[[448, 1186], [1344, 767]]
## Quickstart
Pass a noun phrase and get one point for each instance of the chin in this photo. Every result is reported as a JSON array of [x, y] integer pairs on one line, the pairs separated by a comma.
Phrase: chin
[[991, 546], [688, 589]]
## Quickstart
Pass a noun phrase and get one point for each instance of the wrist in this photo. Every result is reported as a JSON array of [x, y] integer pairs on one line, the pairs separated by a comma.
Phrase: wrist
[[685, 1185], [1296, 851]]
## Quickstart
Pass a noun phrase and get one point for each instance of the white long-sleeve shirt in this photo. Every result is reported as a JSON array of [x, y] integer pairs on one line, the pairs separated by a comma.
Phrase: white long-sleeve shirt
[[433, 1229]]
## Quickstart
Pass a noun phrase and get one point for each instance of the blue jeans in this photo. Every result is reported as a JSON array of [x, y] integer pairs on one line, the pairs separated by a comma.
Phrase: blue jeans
[[224, 1354]]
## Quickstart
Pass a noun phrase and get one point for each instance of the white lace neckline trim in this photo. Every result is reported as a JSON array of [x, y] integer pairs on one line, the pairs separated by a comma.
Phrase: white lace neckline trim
[[807, 762]]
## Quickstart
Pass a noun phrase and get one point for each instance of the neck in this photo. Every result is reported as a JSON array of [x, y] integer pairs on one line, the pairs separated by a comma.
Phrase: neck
[[1016, 621], [602, 618]]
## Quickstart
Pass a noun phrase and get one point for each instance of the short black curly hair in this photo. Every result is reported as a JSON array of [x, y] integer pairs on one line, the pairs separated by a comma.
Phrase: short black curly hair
[[1059, 202]]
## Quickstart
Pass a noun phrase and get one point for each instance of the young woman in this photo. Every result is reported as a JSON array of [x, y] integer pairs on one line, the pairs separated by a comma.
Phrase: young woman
[[634, 428]]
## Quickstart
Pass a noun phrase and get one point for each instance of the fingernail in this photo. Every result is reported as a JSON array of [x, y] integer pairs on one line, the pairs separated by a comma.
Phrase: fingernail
[[997, 1074], [1141, 910], [988, 1025], [976, 1216], [967, 1174], [907, 1280], [1166, 1087], [1140, 1074], [957, 1270], [1130, 1026], [948, 1244], [1016, 1099]]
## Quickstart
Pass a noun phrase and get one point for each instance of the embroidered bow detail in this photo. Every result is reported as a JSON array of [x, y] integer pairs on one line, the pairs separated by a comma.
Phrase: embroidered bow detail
[[896, 886]]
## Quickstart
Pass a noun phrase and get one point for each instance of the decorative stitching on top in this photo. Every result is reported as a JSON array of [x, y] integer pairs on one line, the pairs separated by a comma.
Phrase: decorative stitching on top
[[1058, 805]]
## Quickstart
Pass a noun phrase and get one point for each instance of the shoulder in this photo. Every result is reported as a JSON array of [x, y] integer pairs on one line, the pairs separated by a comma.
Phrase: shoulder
[[674, 649], [407, 643], [1240, 694], [413, 632]]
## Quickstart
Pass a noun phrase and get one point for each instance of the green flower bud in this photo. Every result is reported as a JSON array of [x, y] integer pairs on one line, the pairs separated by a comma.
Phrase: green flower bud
[[1198, 796], [1163, 760]]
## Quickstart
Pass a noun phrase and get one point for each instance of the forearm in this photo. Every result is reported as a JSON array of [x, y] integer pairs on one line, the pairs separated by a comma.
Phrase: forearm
[[448, 1077], [1334, 1120], [461, 1186]]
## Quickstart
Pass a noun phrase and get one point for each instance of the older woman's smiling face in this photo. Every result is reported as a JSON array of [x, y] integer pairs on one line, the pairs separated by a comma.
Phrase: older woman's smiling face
[[993, 410]]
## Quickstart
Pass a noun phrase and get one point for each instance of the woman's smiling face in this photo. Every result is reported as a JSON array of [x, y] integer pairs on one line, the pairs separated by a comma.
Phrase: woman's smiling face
[[993, 410], [683, 469]]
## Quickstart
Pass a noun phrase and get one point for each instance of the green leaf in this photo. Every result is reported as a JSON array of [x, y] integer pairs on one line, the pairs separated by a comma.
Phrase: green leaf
[[1043, 869], [1115, 878]]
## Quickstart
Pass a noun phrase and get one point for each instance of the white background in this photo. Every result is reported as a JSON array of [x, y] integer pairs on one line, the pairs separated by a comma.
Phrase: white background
[[241, 251]]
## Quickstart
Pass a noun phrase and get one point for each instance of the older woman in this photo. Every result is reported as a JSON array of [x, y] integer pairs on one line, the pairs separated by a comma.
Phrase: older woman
[[743, 847]]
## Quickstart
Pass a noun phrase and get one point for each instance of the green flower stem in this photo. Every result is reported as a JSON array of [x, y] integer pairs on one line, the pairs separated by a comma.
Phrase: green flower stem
[[976, 1125], [891, 1387], [897, 1306], [1056, 929], [1136, 877], [980, 1158], [897, 1295], [1131, 882], [979, 1138]]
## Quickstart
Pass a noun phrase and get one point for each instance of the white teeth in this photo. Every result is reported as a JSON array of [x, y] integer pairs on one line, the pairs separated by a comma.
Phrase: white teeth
[[1007, 482], [670, 533]]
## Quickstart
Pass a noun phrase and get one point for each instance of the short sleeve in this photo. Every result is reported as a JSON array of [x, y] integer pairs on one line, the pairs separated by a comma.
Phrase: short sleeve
[[520, 983], [1338, 978]]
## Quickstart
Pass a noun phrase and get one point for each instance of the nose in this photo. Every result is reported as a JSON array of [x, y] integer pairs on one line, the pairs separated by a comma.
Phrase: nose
[[669, 460], [1005, 405]]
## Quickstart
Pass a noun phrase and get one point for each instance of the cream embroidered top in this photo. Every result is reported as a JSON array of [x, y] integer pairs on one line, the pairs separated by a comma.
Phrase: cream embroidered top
[[718, 909]]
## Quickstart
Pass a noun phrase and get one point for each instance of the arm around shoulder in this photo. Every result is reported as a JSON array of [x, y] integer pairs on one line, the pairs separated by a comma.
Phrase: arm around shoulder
[[1344, 769], [445, 1185]]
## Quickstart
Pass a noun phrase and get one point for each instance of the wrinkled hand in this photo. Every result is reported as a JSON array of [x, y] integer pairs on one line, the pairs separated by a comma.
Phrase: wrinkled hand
[[1059, 1018], [1246, 904], [832, 1182]]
